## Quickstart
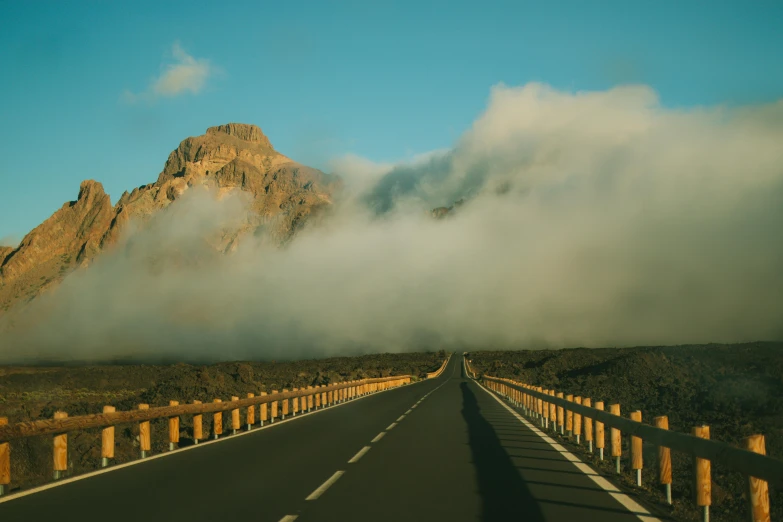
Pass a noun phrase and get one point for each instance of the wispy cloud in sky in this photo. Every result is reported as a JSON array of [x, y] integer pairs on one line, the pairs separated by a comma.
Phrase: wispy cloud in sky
[[187, 74]]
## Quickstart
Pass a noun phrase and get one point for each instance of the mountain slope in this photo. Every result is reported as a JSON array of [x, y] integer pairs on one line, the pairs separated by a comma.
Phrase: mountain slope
[[232, 156]]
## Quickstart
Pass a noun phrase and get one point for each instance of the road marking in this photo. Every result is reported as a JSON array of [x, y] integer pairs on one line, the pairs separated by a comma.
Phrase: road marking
[[401, 417], [604, 484], [359, 455], [289, 518], [412, 407], [326, 485], [391, 426], [378, 437], [407, 412], [24, 493], [12, 496]]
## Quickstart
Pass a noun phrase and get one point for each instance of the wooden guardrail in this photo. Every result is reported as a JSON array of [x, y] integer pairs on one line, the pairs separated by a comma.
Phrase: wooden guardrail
[[469, 368], [546, 405], [276, 404], [439, 371]]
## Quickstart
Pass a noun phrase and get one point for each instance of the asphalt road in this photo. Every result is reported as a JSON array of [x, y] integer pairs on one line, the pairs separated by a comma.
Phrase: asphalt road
[[443, 449]]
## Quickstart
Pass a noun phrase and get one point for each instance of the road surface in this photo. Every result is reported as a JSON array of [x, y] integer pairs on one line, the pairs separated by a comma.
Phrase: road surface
[[443, 449]]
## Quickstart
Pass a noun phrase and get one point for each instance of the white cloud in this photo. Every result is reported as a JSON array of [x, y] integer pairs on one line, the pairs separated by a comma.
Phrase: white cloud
[[187, 74], [620, 222]]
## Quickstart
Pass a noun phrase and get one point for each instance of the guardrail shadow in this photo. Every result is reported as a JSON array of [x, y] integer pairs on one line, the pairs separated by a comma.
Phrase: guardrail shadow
[[504, 495]]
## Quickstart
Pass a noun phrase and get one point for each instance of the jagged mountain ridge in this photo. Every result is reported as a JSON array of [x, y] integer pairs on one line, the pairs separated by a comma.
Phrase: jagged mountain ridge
[[231, 156]]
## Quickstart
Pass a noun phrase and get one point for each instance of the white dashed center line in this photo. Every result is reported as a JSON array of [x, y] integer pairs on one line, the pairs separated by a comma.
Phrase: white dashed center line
[[378, 437], [326, 485], [359, 455], [392, 425], [289, 518], [401, 417]]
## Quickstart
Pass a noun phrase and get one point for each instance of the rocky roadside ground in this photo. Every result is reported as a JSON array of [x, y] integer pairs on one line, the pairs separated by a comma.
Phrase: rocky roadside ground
[[737, 390], [36, 392]]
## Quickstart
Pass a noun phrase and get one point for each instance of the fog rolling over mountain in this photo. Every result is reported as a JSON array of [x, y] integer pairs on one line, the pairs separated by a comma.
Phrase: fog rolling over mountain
[[281, 194], [589, 219]]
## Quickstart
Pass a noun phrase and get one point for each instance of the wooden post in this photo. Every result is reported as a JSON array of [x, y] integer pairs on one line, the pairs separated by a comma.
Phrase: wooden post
[[295, 405], [303, 402], [600, 440], [525, 408], [235, 420], [324, 399], [569, 418], [145, 444], [329, 398], [217, 422], [317, 396], [310, 399], [264, 410], [540, 404], [637, 461], [587, 422], [617, 441], [285, 405], [198, 426], [561, 415], [702, 474], [577, 421], [758, 490], [664, 460], [60, 449], [273, 415], [107, 440], [251, 413], [546, 411], [5, 462], [553, 411], [173, 428]]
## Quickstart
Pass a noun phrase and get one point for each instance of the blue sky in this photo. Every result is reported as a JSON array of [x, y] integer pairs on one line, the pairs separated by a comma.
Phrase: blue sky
[[79, 98]]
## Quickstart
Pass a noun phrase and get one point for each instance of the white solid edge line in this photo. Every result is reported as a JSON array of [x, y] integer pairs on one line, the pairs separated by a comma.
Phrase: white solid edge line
[[391, 426], [326, 485], [626, 501], [378, 437], [289, 518], [63, 482], [359, 455]]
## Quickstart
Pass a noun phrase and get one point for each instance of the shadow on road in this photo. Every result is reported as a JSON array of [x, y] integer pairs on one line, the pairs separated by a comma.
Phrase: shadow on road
[[504, 495]]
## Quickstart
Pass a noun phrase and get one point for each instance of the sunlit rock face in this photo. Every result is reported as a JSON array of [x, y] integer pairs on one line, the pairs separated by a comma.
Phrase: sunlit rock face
[[282, 194]]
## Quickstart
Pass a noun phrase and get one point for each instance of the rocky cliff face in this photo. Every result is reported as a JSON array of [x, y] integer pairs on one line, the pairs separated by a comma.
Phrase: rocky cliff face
[[228, 157]]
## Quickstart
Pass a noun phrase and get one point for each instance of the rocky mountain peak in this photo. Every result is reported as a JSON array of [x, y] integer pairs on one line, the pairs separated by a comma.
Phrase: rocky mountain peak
[[90, 191], [234, 156], [243, 131]]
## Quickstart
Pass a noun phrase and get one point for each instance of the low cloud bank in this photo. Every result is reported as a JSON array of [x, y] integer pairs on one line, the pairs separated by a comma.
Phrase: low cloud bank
[[590, 219]]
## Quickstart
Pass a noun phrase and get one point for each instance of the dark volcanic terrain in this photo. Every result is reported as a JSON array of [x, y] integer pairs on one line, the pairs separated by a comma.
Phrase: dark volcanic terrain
[[737, 390]]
